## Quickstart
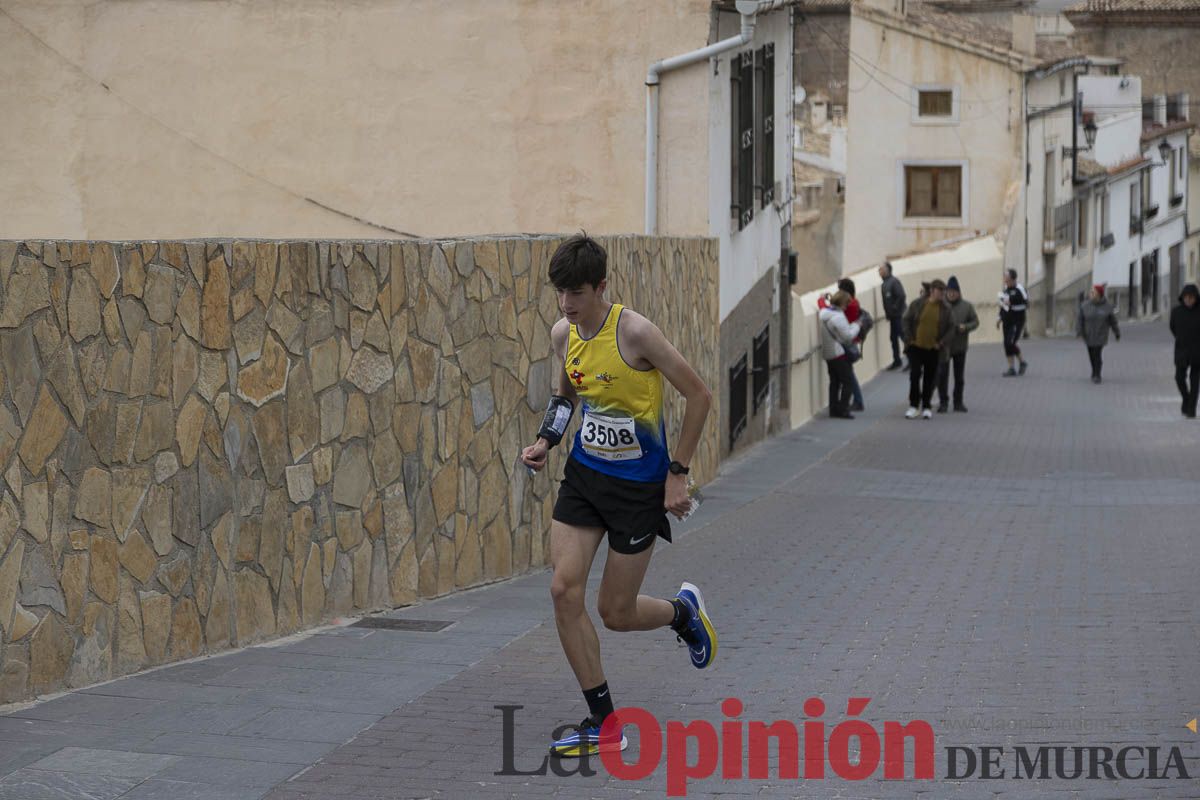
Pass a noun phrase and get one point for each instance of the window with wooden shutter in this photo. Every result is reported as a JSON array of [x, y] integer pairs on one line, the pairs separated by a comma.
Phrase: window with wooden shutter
[[742, 137], [765, 70], [948, 195], [933, 191], [937, 103], [1081, 220]]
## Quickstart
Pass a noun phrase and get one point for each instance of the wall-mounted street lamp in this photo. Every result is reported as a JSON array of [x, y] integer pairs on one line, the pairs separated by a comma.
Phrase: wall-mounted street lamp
[[1164, 150], [1089, 135]]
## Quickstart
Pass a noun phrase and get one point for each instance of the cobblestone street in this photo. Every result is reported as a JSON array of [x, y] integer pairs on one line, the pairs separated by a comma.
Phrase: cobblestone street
[[1023, 574]]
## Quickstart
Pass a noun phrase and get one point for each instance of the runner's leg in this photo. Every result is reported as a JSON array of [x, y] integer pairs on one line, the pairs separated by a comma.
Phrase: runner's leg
[[620, 605], [572, 550]]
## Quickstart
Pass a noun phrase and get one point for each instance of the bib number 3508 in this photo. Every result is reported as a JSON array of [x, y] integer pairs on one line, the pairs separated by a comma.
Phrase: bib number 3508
[[610, 438]]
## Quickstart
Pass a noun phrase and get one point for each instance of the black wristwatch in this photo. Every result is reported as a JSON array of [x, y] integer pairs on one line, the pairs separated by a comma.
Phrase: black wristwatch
[[677, 469]]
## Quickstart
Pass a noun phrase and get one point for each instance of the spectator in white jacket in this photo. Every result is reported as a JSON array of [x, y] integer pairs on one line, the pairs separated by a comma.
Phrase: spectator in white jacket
[[837, 346]]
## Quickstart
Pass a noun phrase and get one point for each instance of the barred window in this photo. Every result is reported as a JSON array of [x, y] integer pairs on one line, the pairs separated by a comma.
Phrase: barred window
[[737, 400], [939, 103], [762, 366]]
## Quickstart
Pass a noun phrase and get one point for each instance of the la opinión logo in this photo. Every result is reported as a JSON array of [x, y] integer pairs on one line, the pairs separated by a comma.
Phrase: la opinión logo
[[739, 749], [742, 749]]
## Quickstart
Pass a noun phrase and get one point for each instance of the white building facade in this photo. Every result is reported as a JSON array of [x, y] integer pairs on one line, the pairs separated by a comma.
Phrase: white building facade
[[1138, 196]]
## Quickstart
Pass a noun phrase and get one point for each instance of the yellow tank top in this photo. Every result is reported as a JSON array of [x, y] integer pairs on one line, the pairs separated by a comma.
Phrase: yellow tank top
[[621, 430]]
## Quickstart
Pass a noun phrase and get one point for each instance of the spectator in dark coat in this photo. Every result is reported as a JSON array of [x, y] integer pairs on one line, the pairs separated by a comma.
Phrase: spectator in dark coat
[[927, 330], [963, 320], [1185, 325], [1096, 316], [894, 304]]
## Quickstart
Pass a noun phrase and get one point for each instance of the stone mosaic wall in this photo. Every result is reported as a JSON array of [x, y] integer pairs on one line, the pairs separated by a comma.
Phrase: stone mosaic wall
[[205, 444]]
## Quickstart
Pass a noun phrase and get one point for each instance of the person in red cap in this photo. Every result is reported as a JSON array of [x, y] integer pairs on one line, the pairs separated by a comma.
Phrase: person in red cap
[[1096, 316]]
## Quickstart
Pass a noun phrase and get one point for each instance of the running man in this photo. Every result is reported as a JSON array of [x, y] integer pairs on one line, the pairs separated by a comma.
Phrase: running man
[[1014, 302], [619, 478]]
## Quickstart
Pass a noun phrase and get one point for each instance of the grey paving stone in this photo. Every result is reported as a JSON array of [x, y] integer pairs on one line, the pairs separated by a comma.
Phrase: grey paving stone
[[156, 688], [17, 754], [306, 726], [239, 747], [197, 717], [228, 772], [87, 708], [113, 763], [25, 784], [156, 789]]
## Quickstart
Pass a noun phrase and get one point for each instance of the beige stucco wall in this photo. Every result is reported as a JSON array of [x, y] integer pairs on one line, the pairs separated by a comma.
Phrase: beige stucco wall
[[148, 118], [882, 134]]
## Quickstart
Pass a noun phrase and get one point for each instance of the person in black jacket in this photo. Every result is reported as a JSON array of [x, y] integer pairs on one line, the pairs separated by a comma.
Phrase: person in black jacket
[[894, 304], [1014, 302], [1185, 326]]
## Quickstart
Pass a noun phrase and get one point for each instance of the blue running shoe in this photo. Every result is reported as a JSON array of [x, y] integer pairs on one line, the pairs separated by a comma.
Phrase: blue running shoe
[[698, 632], [585, 740]]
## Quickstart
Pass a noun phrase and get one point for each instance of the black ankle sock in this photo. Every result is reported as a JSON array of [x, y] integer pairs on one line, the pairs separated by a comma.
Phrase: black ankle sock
[[682, 615], [599, 702]]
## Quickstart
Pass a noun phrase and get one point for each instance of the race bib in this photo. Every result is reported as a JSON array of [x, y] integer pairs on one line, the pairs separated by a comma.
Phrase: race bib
[[609, 438]]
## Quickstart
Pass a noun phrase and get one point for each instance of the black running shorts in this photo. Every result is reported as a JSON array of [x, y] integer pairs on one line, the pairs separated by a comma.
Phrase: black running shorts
[[630, 511]]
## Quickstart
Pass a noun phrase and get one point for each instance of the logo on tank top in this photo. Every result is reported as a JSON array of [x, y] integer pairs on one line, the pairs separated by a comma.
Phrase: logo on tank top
[[605, 378], [578, 377]]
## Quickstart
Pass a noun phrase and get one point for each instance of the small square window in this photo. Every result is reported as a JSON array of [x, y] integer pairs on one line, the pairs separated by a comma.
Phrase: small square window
[[939, 103]]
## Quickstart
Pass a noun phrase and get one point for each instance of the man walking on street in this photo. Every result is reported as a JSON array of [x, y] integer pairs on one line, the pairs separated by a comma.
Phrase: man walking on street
[[1014, 302], [927, 330], [1096, 316], [1185, 325], [963, 320], [619, 479], [894, 303]]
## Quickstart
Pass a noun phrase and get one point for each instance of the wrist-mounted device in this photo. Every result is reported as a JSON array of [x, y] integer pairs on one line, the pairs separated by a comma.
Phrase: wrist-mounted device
[[675, 468], [558, 417]]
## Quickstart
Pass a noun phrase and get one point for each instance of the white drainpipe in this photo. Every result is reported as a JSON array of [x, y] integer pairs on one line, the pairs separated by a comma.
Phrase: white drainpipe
[[748, 9]]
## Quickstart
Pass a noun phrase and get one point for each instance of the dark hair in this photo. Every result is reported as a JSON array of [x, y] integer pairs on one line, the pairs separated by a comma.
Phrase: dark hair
[[937, 283], [577, 261], [1012, 274], [888, 264], [847, 286]]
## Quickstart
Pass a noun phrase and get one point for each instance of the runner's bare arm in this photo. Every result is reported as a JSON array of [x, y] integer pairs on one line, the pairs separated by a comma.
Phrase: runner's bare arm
[[648, 347], [536, 454], [559, 335]]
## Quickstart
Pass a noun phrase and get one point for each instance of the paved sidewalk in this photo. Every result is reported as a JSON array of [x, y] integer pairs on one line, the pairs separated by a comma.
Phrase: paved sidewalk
[[1022, 574]]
